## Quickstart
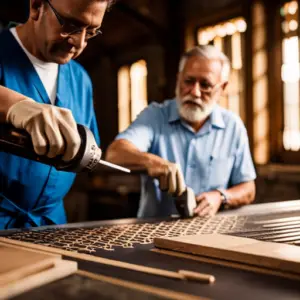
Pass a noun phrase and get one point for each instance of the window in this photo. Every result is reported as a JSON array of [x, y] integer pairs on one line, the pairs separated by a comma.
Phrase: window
[[260, 82], [290, 76], [132, 92], [229, 38]]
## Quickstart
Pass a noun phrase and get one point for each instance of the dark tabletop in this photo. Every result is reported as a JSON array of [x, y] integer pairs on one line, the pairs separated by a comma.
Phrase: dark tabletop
[[230, 283]]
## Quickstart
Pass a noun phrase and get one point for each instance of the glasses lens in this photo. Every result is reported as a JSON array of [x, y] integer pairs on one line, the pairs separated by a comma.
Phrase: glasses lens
[[72, 30], [69, 28]]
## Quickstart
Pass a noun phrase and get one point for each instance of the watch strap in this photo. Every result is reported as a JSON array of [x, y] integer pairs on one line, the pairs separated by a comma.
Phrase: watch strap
[[224, 196]]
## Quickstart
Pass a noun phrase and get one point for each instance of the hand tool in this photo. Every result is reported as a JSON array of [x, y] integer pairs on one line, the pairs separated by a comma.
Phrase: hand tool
[[186, 203], [88, 157]]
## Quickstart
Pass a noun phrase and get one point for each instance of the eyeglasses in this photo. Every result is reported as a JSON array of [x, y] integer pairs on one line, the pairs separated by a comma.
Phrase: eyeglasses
[[204, 86], [69, 28]]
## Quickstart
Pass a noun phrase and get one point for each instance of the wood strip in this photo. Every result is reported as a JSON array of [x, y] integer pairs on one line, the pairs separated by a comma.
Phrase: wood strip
[[141, 287], [288, 239], [226, 263], [282, 224], [60, 269], [282, 257], [259, 233], [15, 246], [101, 260], [277, 237], [207, 278], [277, 220]]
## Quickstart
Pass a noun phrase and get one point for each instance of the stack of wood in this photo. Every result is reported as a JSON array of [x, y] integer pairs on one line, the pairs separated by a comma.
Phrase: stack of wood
[[24, 269]]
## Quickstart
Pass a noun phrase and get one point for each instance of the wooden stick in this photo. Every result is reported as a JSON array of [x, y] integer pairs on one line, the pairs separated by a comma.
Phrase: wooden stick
[[169, 294], [229, 264], [102, 260], [206, 278]]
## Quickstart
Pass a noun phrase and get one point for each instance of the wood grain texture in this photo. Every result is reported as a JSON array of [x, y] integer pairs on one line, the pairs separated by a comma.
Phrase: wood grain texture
[[169, 294], [230, 264], [22, 269], [60, 269], [19, 263], [102, 260], [269, 255]]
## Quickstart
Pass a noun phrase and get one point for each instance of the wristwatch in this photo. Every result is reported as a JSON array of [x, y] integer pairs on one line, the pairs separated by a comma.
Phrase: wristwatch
[[224, 196]]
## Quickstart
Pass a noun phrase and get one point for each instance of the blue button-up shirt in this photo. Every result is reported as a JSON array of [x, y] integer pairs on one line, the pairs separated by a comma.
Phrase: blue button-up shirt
[[217, 156]]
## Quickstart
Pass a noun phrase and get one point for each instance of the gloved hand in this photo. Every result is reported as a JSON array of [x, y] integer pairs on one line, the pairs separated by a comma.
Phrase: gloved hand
[[53, 129], [169, 175]]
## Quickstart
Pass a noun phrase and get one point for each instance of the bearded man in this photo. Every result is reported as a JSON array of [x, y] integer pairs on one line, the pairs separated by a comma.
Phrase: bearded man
[[190, 141]]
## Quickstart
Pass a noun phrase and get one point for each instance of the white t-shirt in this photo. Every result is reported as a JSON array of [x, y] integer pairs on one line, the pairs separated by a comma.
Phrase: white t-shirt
[[48, 72]]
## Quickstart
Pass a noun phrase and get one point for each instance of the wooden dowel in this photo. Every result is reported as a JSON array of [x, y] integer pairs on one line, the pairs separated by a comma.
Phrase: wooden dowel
[[153, 290], [102, 260], [190, 275]]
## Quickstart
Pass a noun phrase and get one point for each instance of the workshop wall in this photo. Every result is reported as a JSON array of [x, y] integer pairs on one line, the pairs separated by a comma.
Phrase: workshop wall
[[158, 32]]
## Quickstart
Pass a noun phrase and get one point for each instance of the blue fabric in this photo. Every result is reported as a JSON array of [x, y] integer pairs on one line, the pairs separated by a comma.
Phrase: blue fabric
[[31, 193], [217, 156]]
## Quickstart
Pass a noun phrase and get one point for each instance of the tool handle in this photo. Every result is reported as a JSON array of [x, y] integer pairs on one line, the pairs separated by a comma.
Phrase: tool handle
[[18, 142]]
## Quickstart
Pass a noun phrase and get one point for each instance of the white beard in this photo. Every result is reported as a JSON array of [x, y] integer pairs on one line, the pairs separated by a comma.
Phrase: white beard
[[193, 113]]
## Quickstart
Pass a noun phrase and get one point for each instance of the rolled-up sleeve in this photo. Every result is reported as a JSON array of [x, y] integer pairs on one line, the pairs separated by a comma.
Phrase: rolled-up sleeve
[[141, 131], [243, 168]]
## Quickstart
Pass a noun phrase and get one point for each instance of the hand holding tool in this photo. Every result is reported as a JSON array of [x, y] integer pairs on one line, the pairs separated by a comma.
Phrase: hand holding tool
[[88, 157], [186, 203]]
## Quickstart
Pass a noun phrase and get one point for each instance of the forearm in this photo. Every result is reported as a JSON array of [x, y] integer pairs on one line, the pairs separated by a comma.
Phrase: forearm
[[241, 194], [8, 97], [124, 153]]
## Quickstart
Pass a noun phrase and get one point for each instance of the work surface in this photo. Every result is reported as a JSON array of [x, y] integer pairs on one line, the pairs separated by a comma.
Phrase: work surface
[[131, 241]]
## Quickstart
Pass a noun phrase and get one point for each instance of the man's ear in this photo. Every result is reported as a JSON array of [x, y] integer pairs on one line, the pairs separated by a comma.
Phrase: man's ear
[[35, 9]]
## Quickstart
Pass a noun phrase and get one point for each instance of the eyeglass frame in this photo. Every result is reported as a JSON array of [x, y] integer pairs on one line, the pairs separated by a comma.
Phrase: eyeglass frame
[[207, 92], [61, 20]]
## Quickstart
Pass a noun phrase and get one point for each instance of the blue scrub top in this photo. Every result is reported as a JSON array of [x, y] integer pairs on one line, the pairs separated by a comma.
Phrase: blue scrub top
[[31, 193]]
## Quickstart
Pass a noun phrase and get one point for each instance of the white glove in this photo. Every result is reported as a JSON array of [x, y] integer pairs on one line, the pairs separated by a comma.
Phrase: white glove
[[53, 129], [173, 180], [169, 175]]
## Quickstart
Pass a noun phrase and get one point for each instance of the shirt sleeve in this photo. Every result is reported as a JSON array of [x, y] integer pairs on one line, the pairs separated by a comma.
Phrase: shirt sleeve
[[88, 109], [93, 120], [243, 168], [95, 130], [141, 132]]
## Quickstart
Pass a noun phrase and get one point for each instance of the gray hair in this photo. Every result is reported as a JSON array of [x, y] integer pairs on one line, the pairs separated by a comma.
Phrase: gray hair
[[208, 52]]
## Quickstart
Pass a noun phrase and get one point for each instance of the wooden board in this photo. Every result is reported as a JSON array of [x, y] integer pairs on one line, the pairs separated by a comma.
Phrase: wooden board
[[17, 263], [22, 269], [270, 255]]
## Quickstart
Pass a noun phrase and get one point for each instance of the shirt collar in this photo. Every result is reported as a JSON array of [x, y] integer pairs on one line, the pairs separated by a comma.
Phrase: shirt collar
[[216, 118], [173, 115]]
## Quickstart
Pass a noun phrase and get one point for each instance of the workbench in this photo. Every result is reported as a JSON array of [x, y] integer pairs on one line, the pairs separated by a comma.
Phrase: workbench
[[130, 241]]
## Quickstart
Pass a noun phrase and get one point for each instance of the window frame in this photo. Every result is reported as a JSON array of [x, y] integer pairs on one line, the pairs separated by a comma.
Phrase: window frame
[[129, 66], [276, 87]]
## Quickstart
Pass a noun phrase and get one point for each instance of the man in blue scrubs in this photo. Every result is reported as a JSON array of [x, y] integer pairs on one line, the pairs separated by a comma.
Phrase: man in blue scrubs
[[190, 141], [45, 92]]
